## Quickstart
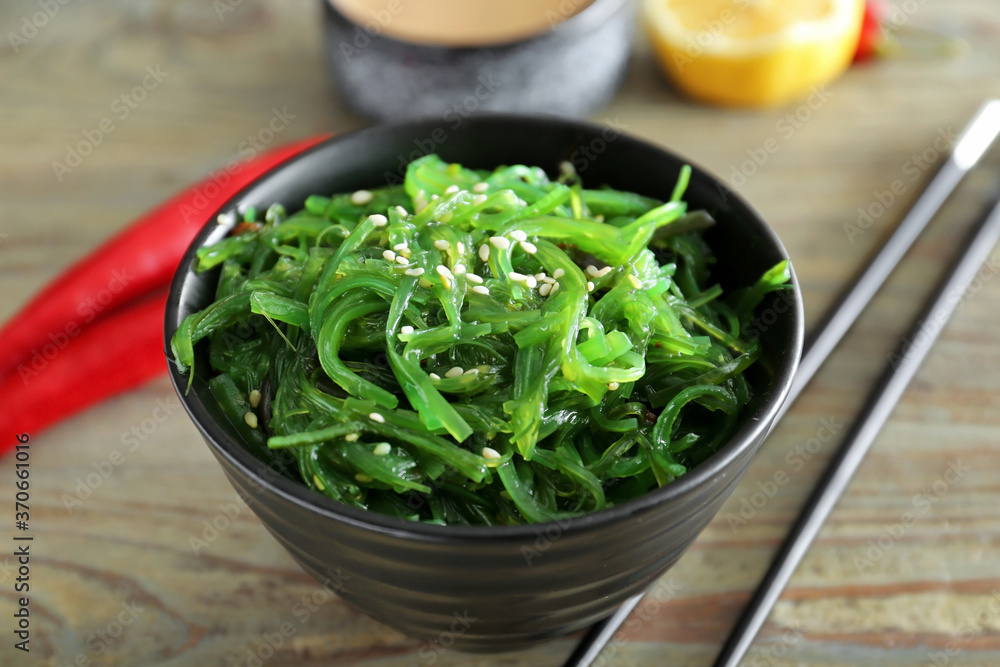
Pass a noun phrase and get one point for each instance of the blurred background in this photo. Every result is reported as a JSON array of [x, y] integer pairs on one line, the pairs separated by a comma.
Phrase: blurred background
[[147, 557]]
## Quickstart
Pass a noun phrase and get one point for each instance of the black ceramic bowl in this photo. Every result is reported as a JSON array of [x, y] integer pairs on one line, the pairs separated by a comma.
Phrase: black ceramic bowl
[[571, 69], [500, 588]]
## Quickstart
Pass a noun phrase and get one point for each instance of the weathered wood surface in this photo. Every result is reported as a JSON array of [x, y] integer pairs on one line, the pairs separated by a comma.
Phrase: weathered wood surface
[[120, 561]]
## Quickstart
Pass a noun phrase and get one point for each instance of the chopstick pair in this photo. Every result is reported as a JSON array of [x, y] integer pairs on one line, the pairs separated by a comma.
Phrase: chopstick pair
[[977, 137]]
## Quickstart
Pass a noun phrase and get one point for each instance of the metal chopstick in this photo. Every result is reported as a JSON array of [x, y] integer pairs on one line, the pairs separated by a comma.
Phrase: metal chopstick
[[974, 141]]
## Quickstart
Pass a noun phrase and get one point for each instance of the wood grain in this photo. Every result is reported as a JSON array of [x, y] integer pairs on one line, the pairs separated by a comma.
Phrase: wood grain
[[120, 561]]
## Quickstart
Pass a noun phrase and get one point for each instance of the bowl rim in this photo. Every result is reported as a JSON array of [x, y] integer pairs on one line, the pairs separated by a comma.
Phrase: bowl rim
[[754, 430], [592, 16]]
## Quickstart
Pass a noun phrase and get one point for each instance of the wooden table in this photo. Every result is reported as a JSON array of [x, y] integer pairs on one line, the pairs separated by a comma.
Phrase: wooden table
[[115, 580]]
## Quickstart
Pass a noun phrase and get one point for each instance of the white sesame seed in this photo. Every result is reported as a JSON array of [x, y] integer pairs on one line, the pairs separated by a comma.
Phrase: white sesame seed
[[458, 269], [603, 272], [471, 371], [351, 437], [479, 289], [529, 247], [545, 289], [567, 167], [518, 235], [555, 288], [414, 272], [389, 255], [451, 189], [406, 329], [434, 376], [419, 202], [402, 211], [382, 449], [376, 417], [433, 197], [454, 372], [378, 220], [484, 252], [636, 283], [361, 197], [612, 386], [402, 261], [480, 187], [558, 273], [474, 278], [254, 398], [515, 276], [521, 202], [540, 276], [590, 286], [226, 218], [499, 242], [530, 282], [446, 276], [490, 453], [446, 216], [251, 419], [479, 200], [442, 244], [550, 281], [400, 247], [460, 247], [591, 270], [363, 478]]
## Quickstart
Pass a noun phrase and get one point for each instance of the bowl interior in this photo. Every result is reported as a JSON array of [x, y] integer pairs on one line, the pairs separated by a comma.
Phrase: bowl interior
[[744, 245]]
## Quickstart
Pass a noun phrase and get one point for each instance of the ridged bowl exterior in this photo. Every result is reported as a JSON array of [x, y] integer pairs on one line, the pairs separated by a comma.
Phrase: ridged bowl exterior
[[493, 588], [571, 69]]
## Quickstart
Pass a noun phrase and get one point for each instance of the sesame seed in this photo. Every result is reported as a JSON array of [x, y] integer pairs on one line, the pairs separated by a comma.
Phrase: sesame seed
[[378, 220], [402, 261], [546, 279], [451, 189], [471, 371], [473, 278], [555, 288], [445, 274], [590, 286], [567, 167], [406, 329], [530, 282], [558, 273], [529, 247], [400, 247], [540, 276], [254, 398], [446, 216], [479, 200], [460, 247], [434, 376], [402, 211], [521, 202], [382, 448], [363, 478], [591, 270], [499, 242], [490, 453], [545, 289], [480, 187], [414, 272], [484, 252], [479, 289], [389, 255], [613, 386], [433, 197], [636, 283], [458, 269], [226, 218], [515, 276], [454, 372], [318, 482], [251, 419], [419, 202], [599, 218], [351, 437], [518, 235], [442, 244], [361, 197], [603, 272], [376, 417]]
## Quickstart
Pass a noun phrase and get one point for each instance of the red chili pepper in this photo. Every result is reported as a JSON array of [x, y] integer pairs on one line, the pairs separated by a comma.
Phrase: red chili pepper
[[871, 32], [114, 354], [139, 260]]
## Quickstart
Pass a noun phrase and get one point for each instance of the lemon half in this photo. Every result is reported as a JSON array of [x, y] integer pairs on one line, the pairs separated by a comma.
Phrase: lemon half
[[753, 52]]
